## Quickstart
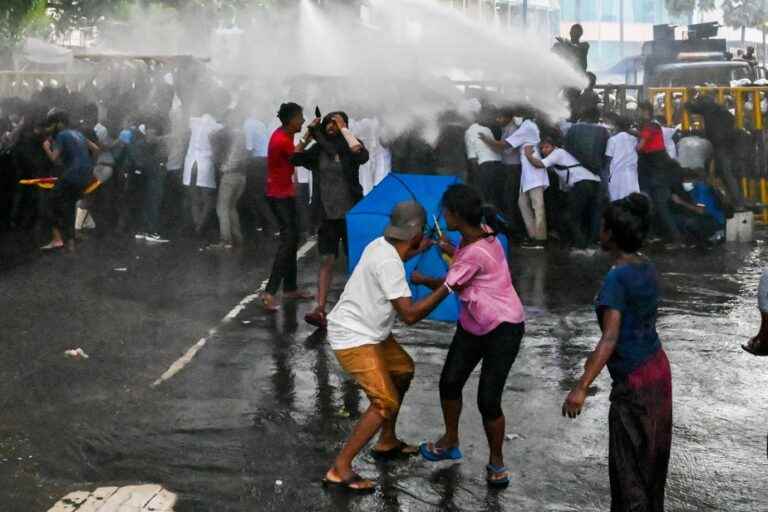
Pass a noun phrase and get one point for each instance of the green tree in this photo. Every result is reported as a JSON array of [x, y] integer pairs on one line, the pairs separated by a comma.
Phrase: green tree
[[17, 18], [686, 7], [743, 14]]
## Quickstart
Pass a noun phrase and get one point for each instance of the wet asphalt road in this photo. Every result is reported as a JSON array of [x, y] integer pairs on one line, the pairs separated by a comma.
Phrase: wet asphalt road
[[265, 400]]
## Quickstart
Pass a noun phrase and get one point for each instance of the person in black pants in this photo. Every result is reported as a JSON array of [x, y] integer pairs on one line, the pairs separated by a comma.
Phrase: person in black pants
[[281, 196], [335, 164], [580, 185], [74, 152], [656, 173], [491, 327]]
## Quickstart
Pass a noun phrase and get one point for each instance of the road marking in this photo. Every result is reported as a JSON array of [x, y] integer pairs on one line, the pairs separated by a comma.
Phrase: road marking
[[133, 498], [190, 354]]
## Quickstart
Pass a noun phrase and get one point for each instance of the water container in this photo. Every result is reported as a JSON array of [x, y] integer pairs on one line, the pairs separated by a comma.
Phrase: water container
[[740, 228]]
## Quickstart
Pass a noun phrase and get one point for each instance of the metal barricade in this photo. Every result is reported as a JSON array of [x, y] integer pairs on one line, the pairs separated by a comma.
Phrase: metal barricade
[[754, 188]]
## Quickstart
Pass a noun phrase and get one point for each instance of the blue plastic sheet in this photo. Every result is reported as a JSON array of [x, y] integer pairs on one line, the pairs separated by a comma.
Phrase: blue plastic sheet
[[368, 219]]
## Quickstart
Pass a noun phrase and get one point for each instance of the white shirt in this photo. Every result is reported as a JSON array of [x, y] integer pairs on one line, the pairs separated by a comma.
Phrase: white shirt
[[528, 135], [478, 149], [256, 137], [669, 141], [510, 156], [366, 130], [573, 175], [364, 314], [622, 148], [200, 151]]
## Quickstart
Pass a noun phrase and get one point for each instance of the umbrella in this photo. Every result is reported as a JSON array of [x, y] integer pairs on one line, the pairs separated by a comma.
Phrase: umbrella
[[368, 219]]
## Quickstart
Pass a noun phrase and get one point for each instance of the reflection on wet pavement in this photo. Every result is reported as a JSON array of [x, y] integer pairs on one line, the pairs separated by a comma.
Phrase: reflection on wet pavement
[[265, 401]]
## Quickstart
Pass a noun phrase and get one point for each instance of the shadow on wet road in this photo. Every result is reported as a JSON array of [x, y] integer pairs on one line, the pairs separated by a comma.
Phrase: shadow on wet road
[[253, 421]]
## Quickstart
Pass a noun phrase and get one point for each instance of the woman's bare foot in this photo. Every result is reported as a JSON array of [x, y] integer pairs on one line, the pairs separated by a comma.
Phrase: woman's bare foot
[[53, 245], [268, 302]]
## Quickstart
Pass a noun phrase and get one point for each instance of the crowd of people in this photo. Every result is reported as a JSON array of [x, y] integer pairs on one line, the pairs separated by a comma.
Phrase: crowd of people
[[158, 170], [595, 180]]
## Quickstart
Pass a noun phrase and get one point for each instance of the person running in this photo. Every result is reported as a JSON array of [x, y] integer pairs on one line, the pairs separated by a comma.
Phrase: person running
[[640, 417], [75, 153], [360, 334], [281, 195], [335, 164], [491, 327]]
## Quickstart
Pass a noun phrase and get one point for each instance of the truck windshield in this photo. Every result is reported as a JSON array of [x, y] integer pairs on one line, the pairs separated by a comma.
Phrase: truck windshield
[[690, 76]]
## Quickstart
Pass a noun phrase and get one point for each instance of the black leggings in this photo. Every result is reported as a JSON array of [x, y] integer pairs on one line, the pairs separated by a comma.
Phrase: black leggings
[[498, 350], [62, 203]]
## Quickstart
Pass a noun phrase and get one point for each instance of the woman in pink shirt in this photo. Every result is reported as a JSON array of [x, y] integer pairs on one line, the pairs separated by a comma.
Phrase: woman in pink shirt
[[490, 328]]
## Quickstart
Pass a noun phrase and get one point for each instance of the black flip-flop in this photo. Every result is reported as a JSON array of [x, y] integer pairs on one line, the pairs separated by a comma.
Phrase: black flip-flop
[[759, 353], [316, 320], [347, 484], [398, 452]]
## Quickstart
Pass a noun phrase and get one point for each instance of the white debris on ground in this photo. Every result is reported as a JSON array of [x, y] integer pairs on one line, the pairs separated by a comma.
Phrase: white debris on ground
[[132, 498], [76, 353]]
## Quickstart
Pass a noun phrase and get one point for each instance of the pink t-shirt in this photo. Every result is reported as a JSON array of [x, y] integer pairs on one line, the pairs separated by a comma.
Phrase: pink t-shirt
[[480, 275]]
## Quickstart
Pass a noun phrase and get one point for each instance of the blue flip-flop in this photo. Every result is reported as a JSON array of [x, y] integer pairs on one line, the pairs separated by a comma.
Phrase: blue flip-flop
[[495, 470], [438, 454]]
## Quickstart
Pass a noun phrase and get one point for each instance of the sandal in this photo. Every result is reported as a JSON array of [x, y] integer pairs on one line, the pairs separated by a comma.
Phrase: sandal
[[434, 454], [316, 319], [348, 484], [402, 451], [756, 347], [493, 478], [52, 246]]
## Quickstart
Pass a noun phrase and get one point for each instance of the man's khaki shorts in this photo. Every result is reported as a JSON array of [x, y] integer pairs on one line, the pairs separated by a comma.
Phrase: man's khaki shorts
[[374, 367]]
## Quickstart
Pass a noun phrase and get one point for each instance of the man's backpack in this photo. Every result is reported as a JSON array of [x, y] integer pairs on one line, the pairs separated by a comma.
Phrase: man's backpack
[[587, 142]]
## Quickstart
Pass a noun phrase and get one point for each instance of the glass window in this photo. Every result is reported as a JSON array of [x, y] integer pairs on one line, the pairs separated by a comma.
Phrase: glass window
[[644, 11], [610, 10]]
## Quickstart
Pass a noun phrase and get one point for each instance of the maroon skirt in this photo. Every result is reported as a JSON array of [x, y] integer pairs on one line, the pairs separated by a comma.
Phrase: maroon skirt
[[640, 423]]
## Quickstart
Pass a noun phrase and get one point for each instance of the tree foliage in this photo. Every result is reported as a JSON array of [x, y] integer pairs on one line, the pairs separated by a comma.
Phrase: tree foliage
[[743, 13], [16, 17], [686, 7]]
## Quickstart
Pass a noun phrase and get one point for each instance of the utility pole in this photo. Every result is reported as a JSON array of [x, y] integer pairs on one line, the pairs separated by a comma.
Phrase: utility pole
[[621, 29]]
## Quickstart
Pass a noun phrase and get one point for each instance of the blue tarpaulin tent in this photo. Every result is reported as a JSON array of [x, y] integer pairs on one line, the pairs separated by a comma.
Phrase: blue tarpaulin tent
[[368, 219]]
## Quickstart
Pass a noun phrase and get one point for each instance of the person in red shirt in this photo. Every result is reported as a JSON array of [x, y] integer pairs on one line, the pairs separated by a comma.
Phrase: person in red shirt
[[656, 172], [281, 196]]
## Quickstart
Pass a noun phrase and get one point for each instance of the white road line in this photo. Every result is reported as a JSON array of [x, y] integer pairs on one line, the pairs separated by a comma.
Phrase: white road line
[[139, 498], [190, 354]]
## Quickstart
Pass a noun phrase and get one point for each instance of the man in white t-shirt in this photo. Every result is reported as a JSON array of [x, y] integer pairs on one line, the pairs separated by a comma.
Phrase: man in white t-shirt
[[490, 175], [533, 182], [669, 133], [360, 333], [479, 153], [507, 189], [580, 185], [621, 153]]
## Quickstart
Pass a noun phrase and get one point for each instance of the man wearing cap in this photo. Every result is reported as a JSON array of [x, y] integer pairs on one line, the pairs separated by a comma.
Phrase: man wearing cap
[[360, 333]]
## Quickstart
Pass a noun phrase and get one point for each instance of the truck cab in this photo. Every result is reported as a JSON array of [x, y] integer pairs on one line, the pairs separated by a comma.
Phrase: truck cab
[[700, 59]]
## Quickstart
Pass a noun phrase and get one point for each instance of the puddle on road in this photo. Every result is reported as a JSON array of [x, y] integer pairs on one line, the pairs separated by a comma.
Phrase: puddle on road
[[266, 402]]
